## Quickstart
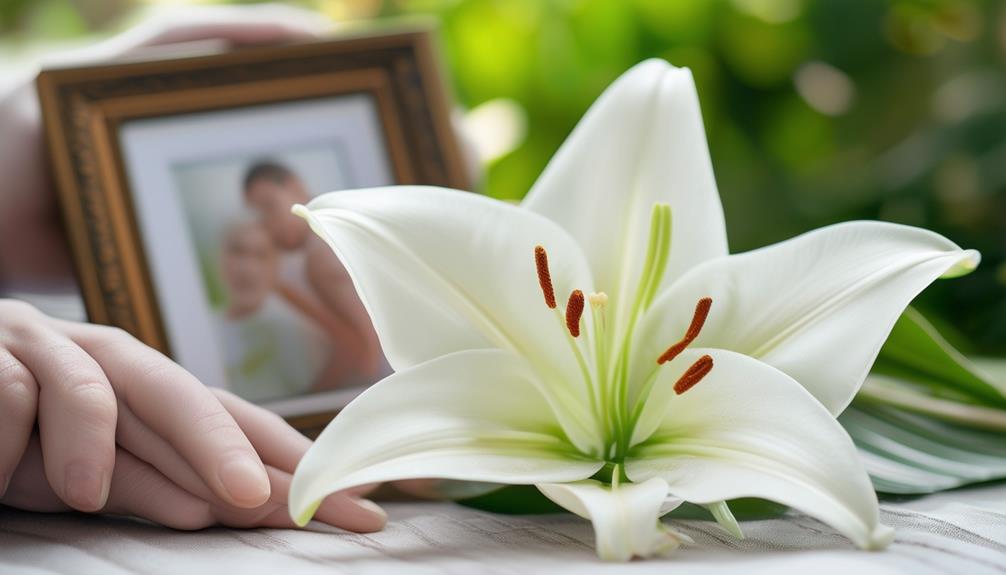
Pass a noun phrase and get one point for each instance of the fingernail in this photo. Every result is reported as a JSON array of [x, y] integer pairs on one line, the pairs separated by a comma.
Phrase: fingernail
[[85, 486], [377, 521], [373, 508], [244, 479]]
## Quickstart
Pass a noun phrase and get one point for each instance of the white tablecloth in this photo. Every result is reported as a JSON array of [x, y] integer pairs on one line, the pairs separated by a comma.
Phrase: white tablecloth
[[959, 533]]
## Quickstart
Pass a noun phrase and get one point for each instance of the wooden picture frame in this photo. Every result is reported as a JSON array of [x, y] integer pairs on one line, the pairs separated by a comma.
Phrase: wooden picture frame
[[86, 111]]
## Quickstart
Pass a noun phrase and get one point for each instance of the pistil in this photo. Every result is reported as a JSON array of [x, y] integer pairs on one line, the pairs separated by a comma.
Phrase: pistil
[[652, 274]]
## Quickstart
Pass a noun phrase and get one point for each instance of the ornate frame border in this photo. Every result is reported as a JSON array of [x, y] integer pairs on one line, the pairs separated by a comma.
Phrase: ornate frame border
[[83, 109]]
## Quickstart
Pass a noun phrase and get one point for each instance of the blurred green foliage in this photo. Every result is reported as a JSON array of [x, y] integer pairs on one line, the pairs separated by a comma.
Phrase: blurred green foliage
[[816, 112]]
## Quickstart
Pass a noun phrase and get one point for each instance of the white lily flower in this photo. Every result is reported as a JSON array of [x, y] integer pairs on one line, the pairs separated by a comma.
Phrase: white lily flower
[[693, 375]]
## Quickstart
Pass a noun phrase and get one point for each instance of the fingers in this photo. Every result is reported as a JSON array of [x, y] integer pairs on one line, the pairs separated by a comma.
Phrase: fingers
[[18, 403], [338, 510], [279, 444], [137, 489], [76, 414], [140, 490], [139, 440], [246, 25], [282, 447], [180, 409], [28, 487], [275, 441]]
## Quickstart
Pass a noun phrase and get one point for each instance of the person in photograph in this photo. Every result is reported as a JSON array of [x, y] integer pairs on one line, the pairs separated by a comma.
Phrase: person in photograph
[[311, 278], [270, 350]]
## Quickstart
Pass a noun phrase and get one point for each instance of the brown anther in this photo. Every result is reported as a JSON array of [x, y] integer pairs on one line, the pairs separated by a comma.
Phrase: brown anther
[[574, 311], [544, 277], [698, 320], [694, 374]]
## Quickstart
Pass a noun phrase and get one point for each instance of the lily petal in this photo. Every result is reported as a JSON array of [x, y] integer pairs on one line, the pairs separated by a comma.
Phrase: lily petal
[[442, 271], [818, 306], [472, 415], [749, 430], [642, 142], [626, 518]]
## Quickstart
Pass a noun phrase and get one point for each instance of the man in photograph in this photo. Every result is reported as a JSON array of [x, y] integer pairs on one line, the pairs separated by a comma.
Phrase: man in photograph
[[311, 278]]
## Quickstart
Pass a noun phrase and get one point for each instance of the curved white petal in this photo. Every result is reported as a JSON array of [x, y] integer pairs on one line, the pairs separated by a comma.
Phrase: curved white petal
[[749, 430], [626, 518], [642, 142], [443, 271], [818, 306], [472, 415]]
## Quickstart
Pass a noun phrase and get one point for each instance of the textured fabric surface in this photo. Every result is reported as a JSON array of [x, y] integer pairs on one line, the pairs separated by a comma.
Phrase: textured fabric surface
[[962, 532]]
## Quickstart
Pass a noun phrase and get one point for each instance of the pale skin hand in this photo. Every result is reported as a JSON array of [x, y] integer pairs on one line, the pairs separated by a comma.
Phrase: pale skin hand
[[123, 429], [120, 428]]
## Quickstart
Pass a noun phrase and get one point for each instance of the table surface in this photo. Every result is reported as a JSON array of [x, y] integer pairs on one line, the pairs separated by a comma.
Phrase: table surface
[[961, 532]]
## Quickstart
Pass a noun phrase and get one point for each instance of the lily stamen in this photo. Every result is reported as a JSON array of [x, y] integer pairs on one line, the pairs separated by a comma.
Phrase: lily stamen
[[694, 374], [544, 276], [574, 311], [698, 320]]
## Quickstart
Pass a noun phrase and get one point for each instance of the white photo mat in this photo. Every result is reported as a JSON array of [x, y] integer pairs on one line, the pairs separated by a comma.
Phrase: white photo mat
[[154, 148]]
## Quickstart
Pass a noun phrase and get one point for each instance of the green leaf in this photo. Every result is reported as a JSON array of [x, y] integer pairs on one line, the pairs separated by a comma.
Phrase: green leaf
[[893, 392], [527, 500], [916, 353], [514, 500], [908, 453], [928, 419]]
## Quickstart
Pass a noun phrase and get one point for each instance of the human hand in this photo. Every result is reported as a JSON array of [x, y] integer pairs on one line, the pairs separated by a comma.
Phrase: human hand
[[122, 429], [32, 245]]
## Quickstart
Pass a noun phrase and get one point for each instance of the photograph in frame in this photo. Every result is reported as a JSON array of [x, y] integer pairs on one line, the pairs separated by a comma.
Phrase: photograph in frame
[[177, 178]]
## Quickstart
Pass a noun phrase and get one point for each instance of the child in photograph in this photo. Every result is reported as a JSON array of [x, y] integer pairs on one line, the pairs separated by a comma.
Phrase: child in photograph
[[270, 350], [311, 278]]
